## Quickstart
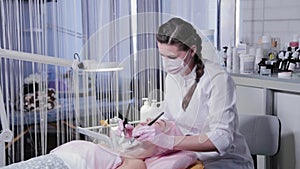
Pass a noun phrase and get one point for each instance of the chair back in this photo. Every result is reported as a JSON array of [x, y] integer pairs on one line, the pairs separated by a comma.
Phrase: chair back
[[262, 133]]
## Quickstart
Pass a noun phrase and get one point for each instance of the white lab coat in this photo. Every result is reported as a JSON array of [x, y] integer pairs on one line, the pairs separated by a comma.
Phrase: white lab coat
[[212, 110]]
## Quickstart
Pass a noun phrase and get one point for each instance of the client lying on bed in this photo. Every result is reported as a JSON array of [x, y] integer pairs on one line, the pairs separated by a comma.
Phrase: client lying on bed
[[80, 154]]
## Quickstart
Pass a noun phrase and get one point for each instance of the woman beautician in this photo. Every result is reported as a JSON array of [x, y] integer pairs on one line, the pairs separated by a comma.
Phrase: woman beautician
[[200, 98]]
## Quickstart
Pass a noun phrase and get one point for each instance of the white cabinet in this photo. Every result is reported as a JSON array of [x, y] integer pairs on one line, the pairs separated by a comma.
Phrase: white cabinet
[[287, 108], [251, 100], [281, 97]]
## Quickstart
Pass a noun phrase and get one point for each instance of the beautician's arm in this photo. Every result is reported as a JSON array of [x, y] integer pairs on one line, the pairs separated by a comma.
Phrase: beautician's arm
[[199, 143]]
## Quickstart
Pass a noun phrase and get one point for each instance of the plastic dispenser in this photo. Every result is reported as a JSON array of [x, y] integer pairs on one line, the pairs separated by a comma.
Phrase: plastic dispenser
[[145, 109], [149, 109], [154, 110]]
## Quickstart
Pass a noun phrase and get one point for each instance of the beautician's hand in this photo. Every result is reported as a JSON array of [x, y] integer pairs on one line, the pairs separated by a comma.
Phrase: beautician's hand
[[127, 129], [154, 135]]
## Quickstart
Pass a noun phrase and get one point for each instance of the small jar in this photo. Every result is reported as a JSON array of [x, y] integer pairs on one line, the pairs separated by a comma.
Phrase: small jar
[[264, 71]]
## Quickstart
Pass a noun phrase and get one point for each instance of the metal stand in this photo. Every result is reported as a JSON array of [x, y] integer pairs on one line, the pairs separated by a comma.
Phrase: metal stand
[[6, 135]]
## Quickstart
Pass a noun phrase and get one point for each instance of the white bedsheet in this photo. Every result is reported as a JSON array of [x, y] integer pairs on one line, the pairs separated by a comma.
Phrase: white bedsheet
[[80, 154], [49, 161]]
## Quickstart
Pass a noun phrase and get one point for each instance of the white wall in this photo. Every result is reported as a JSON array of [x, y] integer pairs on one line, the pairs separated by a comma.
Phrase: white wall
[[201, 13], [277, 18]]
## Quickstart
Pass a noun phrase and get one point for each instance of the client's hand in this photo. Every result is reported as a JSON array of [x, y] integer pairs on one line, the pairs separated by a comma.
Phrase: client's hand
[[154, 135], [127, 129]]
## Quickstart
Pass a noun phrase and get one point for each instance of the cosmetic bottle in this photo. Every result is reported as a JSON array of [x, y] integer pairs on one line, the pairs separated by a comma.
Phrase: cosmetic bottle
[[263, 68], [266, 45], [154, 110], [273, 53], [296, 56], [291, 64], [246, 63], [223, 56], [252, 51], [258, 58], [145, 109], [288, 53], [153, 104], [235, 61], [294, 43], [229, 59]]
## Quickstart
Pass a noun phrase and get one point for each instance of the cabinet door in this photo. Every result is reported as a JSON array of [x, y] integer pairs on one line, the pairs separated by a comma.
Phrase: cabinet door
[[251, 100], [287, 108]]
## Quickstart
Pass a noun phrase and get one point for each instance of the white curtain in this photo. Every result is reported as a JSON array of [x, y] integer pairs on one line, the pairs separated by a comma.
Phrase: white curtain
[[57, 28], [92, 28], [98, 30]]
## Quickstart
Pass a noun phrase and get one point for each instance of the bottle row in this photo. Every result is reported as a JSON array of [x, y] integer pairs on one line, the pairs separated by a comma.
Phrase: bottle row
[[263, 59]]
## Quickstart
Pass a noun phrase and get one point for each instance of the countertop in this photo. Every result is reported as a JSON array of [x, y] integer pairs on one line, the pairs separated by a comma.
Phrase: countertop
[[291, 84]]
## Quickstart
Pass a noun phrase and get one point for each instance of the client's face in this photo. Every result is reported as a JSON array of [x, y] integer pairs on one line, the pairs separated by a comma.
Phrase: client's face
[[160, 124]]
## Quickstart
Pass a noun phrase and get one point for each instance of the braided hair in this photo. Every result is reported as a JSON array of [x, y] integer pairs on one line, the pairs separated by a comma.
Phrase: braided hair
[[182, 34]]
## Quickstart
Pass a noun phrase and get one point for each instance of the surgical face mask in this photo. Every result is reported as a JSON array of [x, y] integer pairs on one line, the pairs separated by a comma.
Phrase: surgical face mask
[[175, 66]]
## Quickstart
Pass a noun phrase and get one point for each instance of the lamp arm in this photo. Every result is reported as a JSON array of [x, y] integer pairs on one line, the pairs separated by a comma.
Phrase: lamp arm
[[6, 134]]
